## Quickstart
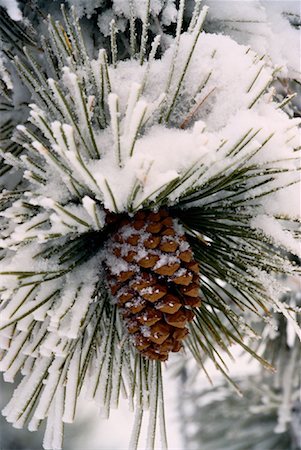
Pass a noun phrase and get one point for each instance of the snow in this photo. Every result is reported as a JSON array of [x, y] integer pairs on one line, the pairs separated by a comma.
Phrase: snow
[[4, 74], [49, 390], [122, 7], [12, 8], [13, 357], [151, 152], [28, 387], [114, 112], [104, 20], [284, 202], [71, 387], [272, 228], [187, 117], [94, 212], [53, 438], [166, 260], [169, 14], [262, 24], [86, 7], [143, 161], [79, 311], [16, 302]]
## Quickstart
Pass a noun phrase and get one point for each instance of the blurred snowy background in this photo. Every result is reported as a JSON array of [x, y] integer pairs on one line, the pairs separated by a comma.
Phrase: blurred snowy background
[[199, 415], [91, 432]]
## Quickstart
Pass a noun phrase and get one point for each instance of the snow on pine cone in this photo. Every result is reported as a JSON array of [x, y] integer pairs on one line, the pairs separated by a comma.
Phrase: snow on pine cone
[[155, 280]]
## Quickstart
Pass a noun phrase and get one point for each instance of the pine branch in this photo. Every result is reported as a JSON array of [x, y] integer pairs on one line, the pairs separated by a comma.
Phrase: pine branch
[[96, 154]]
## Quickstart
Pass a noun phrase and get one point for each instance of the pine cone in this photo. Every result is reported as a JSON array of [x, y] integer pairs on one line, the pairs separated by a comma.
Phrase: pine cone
[[155, 281]]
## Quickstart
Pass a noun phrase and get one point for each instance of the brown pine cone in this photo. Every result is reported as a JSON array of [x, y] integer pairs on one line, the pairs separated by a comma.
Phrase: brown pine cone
[[155, 280]]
